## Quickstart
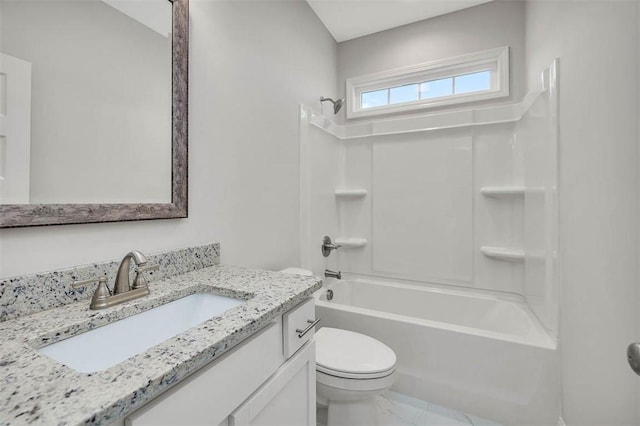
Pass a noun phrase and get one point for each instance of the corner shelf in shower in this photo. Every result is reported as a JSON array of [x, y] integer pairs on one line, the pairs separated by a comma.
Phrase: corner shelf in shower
[[510, 191], [502, 191], [503, 253], [351, 242], [351, 193]]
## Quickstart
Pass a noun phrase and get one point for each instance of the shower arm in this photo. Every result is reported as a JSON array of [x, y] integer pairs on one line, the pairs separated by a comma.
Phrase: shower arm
[[337, 104]]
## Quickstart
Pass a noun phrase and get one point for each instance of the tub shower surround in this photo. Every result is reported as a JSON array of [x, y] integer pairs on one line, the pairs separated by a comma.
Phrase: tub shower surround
[[476, 285], [28, 294], [37, 390]]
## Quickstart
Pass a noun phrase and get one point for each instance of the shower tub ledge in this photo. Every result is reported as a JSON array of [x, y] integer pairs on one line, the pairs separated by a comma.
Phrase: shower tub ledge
[[478, 353]]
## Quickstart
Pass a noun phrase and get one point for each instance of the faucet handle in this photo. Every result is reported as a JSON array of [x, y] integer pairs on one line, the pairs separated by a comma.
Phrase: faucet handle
[[147, 268], [100, 296], [140, 281], [328, 245], [83, 283]]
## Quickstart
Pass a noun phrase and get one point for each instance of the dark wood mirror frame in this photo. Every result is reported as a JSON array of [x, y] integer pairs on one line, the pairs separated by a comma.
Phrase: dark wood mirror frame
[[22, 215]]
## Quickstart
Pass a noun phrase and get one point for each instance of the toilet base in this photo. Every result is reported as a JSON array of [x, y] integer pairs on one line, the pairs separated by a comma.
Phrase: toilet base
[[352, 404], [353, 413]]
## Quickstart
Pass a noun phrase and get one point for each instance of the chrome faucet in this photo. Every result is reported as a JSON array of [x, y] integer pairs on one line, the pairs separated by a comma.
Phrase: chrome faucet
[[122, 284], [123, 291], [332, 274]]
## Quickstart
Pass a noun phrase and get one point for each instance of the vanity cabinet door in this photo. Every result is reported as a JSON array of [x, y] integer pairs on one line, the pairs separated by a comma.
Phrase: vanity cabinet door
[[208, 396], [288, 398]]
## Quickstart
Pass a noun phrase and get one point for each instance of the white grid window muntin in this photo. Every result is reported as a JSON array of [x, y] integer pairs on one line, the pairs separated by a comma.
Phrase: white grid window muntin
[[493, 61]]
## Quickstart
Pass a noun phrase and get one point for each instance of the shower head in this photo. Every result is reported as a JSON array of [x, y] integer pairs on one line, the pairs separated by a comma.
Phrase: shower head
[[337, 104]]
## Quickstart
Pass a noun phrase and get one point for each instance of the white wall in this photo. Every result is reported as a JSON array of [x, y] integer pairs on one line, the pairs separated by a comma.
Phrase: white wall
[[252, 63], [638, 129], [597, 43], [478, 28]]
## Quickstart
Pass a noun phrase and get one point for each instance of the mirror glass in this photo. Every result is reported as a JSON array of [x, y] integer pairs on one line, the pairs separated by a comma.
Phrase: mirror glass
[[86, 101]]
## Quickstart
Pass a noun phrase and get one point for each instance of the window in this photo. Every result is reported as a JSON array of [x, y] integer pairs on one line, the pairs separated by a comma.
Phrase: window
[[477, 76]]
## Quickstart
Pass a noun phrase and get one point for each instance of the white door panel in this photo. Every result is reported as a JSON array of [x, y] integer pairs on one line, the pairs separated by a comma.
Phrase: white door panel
[[15, 129]]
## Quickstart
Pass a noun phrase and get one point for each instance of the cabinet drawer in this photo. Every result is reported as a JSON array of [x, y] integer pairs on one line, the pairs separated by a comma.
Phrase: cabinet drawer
[[294, 323]]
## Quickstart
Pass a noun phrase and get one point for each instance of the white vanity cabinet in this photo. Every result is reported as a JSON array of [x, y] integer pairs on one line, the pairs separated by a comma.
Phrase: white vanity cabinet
[[286, 399], [269, 379]]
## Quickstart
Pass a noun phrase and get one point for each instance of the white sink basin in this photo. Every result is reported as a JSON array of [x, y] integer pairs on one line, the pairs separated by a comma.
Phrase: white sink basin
[[113, 343]]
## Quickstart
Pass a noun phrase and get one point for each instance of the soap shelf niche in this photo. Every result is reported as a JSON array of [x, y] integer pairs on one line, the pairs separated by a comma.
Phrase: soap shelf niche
[[351, 242], [505, 192], [351, 193], [502, 191], [507, 254], [509, 191]]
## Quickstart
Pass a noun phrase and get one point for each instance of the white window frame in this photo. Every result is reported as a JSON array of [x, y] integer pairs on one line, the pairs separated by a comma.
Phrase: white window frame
[[496, 60]]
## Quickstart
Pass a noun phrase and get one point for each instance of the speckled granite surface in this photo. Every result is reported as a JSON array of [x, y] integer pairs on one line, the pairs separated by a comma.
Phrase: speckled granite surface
[[28, 294], [37, 390]]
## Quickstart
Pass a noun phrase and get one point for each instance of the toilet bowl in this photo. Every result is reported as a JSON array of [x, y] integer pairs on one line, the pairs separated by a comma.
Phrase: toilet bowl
[[351, 370]]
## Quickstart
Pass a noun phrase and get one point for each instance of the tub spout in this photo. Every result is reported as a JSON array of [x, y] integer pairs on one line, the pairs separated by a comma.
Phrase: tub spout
[[332, 274]]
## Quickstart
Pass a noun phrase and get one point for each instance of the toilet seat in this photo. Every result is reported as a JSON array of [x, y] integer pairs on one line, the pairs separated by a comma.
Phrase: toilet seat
[[351, 370], [349, 355], [347, 384]]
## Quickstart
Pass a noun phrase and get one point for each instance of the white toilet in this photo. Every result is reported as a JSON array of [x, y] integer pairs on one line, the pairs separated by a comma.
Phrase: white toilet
[[351, 370]]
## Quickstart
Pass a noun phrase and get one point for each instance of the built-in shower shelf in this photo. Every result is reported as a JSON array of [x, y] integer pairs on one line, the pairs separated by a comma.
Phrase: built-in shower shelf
[[351, 193], [510, 191], [503, 253], [351, 242], [502, 191]]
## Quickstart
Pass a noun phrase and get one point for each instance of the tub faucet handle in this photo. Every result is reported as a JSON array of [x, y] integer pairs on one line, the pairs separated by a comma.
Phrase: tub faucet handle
[[328, 245]]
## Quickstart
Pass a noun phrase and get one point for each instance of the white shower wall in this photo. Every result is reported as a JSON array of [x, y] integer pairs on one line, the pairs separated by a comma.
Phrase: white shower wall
[[426, 216], [419, 220], [537, 134], [321, 166]]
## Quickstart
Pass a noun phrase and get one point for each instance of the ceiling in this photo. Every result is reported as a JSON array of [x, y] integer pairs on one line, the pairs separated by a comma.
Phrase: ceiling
[[155, 14], [347, 19]]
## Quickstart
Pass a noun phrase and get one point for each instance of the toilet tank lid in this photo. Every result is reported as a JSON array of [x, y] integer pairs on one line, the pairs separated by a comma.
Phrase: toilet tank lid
[[349, 352], [298, 271]]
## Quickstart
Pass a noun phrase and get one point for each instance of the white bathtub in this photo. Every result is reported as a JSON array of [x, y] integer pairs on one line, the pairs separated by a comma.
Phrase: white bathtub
[[477, 353]]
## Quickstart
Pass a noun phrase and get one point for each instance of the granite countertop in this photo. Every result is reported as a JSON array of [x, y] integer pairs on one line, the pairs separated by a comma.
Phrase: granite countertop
[[35, 389]]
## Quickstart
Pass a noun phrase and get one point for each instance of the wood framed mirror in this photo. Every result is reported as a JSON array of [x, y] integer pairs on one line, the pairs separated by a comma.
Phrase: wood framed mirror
[[14, 215]]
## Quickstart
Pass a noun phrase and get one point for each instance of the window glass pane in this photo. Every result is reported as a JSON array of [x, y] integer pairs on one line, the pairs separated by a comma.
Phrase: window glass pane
[[401, 94], [374, 99], [473, 82], [436, 88]]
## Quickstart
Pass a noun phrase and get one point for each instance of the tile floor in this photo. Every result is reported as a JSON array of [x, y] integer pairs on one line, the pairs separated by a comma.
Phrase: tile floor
[[396, 409]]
